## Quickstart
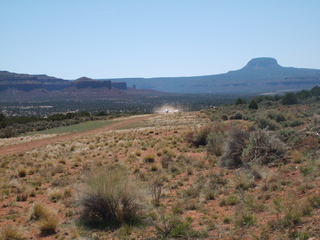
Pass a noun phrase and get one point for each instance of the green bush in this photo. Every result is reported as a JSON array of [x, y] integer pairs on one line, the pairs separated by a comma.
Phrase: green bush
[[236, 116], [253, 105], [264, 123], [278, 117], [215, 143]]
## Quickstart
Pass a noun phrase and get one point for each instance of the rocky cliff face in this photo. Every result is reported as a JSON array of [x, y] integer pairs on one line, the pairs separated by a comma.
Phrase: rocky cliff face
[[85, 82], [25, 82]]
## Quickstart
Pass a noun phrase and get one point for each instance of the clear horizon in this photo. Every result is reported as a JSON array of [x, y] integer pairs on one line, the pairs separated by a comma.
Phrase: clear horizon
[[128, 39]]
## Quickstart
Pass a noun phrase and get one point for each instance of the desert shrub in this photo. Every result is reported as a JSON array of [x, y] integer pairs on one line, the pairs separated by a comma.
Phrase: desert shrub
[[294, 123], [165, 161], [110, 198], [264, 123], [216, 180], [286, 134], [170, 227], [11, 233], [236, 116], [229, 201], [149, 158], [236, 142], [289, 99], [264, 147], [253, 105], [240, 101], [293, 210], [8, 132], [40, 210], [243, 218], [156, 190], [278, 117], [224, 117], [48, 226], [198, 137], [22, 172], [243, 180], [314, 201], [215, 143], [46, 217]]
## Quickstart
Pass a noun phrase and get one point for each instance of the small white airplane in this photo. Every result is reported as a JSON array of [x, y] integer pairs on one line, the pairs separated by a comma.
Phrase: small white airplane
[[167, 111]]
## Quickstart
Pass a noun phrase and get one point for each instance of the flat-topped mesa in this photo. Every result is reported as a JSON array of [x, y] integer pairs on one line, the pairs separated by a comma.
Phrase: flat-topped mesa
[[85, 82], [262, 64]]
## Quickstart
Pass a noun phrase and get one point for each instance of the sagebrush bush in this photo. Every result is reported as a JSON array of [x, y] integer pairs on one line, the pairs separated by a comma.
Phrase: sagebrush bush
[[264, 147], [110, 198], [264, 123], [198, 137], [236, 142], [215, 143]]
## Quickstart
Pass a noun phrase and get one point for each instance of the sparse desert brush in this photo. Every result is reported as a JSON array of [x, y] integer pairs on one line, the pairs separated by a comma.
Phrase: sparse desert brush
[[198, 137], [154, 167], [22, 171], [296, 156], [11, 233], [293, 210], [264, 122], [236, 142], [264, 147], [40, 210], [243, 217], [215, 143], [243, 180], [110, 198], [48, 226], [55, 194], [149, 158], [229, 201], [138, 152]]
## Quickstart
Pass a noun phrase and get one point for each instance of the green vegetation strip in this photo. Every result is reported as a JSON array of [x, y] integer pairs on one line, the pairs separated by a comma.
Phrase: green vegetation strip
[[82, 127]]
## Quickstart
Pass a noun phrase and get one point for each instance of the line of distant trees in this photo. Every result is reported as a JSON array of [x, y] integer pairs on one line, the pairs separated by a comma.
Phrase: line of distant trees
[[14, 126], [289, 98]]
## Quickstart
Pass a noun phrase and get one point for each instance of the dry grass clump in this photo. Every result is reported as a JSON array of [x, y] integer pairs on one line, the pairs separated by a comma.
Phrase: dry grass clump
[[47, 220], [22, 172], [110, 198], [11, 233], [149, 158]]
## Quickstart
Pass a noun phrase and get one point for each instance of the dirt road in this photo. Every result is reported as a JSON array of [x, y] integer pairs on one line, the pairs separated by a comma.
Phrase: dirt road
[[38, 143]]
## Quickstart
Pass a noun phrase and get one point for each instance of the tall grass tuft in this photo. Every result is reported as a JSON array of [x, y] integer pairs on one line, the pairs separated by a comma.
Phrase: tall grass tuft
[[110, 198]]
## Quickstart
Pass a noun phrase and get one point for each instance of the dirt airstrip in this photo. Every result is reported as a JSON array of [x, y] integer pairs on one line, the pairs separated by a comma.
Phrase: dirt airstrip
[[38, 143]]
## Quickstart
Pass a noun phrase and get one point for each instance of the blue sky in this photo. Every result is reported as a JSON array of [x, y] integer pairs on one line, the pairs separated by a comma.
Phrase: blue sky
[[155, 38]]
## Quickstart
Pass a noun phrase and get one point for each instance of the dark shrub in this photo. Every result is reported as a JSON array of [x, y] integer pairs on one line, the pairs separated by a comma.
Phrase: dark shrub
[[264, 147], [236, 116], [253, 105], [237, 141], [198, 137], [289, 99], [264, 123]]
